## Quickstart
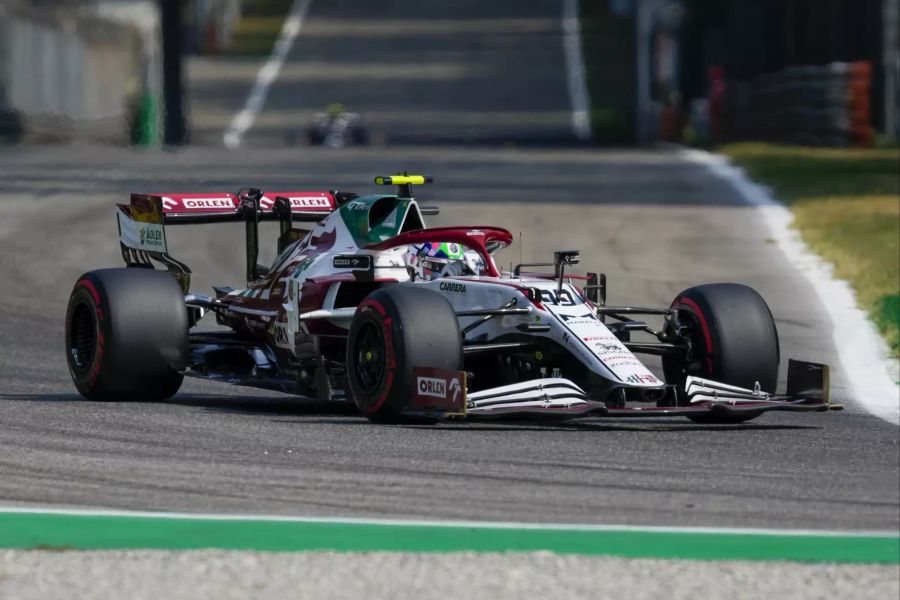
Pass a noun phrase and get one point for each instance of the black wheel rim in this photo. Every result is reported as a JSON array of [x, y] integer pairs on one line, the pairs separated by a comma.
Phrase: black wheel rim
[[696, 362], [368, 351], [82, 337]]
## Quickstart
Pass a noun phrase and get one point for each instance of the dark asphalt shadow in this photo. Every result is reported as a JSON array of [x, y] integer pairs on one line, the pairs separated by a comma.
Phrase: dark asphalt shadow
[[249, 405], [262, 406], [339, 411], [643, 426], [42, 397]]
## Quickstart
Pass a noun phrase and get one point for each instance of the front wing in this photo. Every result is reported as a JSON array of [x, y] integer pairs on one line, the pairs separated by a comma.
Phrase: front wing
[[807, 391]]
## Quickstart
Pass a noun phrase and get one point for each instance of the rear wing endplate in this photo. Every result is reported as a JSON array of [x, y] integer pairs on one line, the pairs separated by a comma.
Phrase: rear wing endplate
[[142, 223]]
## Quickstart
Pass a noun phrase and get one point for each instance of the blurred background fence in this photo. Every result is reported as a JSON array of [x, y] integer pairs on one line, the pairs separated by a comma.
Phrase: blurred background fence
[[64, 77], [823, 72], [825, 105], [91, 69]]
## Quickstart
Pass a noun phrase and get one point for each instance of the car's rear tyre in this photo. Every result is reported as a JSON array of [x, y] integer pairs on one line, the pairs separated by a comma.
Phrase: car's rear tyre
[[126, 335], [734, 340], [395, 329]]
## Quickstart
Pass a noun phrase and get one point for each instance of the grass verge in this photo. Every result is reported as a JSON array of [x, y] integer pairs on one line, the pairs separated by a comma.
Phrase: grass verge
[[846, 204]]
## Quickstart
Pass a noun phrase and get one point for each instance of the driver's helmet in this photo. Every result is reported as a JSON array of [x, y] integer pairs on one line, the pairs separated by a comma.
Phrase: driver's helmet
[[433, 260], [335, 109]]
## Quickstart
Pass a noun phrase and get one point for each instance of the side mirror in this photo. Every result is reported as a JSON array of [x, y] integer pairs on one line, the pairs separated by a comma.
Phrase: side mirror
[[567, 257]]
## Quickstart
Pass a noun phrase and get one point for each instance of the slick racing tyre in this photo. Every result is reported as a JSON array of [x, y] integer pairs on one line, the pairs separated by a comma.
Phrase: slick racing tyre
[[394, 329], [126, 335], [733, 338]]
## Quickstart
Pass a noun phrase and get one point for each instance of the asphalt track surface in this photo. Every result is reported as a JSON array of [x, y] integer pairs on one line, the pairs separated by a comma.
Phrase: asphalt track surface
[[654, 222]]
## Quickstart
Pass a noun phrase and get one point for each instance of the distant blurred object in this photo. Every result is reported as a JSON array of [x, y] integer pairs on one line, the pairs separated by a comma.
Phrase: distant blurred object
[[337, 128], [210, 24], [647, 61], [716, 104], [697, 130], [11, 127], [824, 105]]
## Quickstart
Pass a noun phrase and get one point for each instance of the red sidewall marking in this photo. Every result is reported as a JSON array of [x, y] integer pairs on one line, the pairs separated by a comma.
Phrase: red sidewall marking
[[390, 360], [374, 304], [98, 359], [703, 324], [89, 285], [101, 339], [387, 388]]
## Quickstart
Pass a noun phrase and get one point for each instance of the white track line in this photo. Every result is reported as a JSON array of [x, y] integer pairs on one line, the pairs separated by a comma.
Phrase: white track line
[[864, 355], [244, 120], [575, 74], [442, 523]]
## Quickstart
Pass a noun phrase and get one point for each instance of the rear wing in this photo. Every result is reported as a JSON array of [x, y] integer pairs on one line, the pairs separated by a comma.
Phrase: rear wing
[[269, 206], [142, 235]]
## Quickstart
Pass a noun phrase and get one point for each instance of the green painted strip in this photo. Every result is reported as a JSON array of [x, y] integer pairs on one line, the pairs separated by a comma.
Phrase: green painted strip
[[94, 532]]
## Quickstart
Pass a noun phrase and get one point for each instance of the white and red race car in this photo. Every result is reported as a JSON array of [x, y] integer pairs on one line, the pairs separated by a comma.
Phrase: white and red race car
[[414, 323]]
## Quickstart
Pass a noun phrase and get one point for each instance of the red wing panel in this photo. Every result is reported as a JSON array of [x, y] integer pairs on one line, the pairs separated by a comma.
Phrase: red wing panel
[[199, 204], [300, 201], [227, 204]]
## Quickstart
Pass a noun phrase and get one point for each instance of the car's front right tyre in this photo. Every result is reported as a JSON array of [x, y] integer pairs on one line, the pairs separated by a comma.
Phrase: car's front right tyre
[[734, 340]]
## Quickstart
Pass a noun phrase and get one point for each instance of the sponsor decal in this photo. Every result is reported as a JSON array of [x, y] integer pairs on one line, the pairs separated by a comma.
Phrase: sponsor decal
[[636, 378], [432, 386], [168, 203], [621, 361], [282, 336], [303, 265], [352, 261], [573, 320], [143, 230], [439, 390], [564, 298], [602, 348], [151, 236], [297, 202], [309, 202], [207, 203], [618, 357], [477, 232], [600, 338], [452, 286]]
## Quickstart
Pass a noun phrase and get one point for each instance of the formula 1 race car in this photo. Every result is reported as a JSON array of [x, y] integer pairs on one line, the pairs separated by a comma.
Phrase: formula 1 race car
[[413, 324], [337, 128]]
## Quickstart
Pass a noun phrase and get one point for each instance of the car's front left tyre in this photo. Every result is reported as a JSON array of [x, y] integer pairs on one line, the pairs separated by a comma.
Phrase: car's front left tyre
[[126, 335], [395, 329]]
